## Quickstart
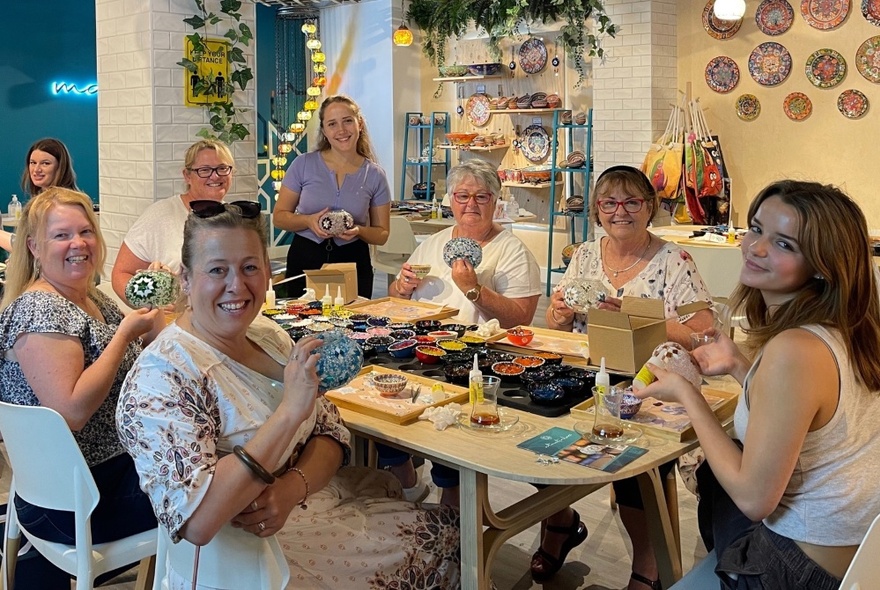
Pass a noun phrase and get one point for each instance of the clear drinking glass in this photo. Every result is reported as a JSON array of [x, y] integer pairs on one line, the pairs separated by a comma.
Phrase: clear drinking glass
[[607, 426], [484, 412]]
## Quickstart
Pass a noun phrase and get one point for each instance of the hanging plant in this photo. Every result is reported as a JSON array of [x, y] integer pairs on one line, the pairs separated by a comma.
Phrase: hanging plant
[[441, 20], [224, 121]]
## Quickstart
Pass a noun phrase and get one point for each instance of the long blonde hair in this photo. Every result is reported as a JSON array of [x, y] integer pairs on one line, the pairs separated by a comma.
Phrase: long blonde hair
[[842, 294], [22, 271]]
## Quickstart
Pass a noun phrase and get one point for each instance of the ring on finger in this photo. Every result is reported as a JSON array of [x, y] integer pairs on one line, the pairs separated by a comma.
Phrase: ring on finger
[[254, 505], [405, 279], [262, 525]]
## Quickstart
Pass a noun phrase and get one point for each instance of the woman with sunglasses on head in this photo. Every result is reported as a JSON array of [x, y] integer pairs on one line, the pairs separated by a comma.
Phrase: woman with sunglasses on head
[[341, 174], [155, 239], [235, 444], [789, 506], [628, 261], [506, 286]]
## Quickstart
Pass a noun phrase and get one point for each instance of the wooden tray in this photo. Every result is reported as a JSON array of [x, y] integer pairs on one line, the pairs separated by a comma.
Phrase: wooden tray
[[403, 310], [568, 344], [360, 398], [675, 427]]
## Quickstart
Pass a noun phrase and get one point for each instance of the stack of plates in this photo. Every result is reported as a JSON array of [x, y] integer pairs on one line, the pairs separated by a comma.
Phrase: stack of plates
[[524, 101], [565, 117], [576, 159]]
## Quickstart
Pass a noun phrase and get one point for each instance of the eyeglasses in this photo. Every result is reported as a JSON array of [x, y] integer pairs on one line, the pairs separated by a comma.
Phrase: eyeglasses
[[205, 209], [611, 206], [207, 171], [480, 198]]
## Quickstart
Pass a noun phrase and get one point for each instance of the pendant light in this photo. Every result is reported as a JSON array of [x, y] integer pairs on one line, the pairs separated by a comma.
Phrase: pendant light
[[402, 37], [729, 9]]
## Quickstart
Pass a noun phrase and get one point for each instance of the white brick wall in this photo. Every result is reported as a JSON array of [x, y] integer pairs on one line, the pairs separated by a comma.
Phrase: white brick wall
[[143, 127], [633, 89]]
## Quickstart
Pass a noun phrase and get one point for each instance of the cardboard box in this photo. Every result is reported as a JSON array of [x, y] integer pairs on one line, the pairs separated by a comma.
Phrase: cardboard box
[[340, 274], [627, 338]]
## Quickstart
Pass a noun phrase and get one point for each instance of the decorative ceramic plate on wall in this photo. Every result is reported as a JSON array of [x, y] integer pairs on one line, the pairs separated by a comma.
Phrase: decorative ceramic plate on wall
[[748, 107], [797, 106], [852, 104], [826, 68], [774, 17], [824, 14], [770, 64], [477, 109], [533, 55], [871, 11], [535, 143], [722, 74], [717, 28], [868, 59]]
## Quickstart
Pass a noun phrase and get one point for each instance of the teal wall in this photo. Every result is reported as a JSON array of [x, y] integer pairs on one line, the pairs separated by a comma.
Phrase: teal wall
[[45, 42]]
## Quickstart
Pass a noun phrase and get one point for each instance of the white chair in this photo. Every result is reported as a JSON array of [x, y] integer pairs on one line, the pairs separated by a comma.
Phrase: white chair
[[390, 256], [49, 470], [864, 571]]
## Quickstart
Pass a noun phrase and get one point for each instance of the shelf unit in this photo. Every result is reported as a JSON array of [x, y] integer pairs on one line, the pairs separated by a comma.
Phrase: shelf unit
[[586, 170], [468, 78], [424, 138]]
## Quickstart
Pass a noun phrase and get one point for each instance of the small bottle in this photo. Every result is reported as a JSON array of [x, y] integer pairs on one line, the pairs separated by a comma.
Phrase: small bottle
[[603, 382], [326, 301], [731, 234], [14, 208], [475, 384], [339, 302], [643, 378], [270, 296], [435, 210]]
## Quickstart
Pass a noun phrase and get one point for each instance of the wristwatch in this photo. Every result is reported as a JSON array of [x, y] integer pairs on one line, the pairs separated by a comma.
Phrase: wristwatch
[[474, 294]]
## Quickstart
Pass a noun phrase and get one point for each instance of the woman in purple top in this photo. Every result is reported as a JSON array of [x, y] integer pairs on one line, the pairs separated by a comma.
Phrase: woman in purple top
[[341, 174]]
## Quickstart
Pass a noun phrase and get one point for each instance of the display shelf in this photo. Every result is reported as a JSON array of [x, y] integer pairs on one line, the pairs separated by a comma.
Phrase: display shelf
[[474, 148], [538, 185], [468, 78], [525, 111], [424, 138], [568, 132]]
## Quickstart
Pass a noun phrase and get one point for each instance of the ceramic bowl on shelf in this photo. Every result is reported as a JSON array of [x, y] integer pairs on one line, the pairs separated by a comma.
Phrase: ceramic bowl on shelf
[[574, 204], [336, 222], [488, 69], [465, 248], [536, 174], [461, 139], [453, 71]]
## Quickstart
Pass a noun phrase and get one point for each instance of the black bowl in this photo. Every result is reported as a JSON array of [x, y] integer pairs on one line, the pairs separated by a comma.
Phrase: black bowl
[[425, 326], [380, 343], [457, 328], [547, 394], [457, 373], [572, 386], [453, 358]]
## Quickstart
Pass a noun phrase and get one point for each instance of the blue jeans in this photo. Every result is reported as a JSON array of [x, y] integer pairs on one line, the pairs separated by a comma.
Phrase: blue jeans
[[441, 475]]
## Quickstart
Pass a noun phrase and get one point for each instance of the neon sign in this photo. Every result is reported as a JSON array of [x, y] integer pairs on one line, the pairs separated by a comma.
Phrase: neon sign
[[58, 88]]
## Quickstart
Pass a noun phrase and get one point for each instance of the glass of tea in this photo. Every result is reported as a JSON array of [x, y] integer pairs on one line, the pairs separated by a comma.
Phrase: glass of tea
[[484, 412], [607, 426]]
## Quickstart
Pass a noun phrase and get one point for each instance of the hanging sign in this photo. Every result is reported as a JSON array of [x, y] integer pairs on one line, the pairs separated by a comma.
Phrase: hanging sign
[[209, 82]]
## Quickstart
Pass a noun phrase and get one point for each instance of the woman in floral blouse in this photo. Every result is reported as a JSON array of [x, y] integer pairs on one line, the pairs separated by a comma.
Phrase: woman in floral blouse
[[222, 377]]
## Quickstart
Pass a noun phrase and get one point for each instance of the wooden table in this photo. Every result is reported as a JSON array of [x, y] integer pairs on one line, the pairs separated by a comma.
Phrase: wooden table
[[477, 456], [426, 225]]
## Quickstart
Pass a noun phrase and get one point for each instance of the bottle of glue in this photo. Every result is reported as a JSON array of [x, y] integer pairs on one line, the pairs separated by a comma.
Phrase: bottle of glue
[[270, 296], [603, 382], [326, 301], [731, 234], [475, 384], [339, 301]]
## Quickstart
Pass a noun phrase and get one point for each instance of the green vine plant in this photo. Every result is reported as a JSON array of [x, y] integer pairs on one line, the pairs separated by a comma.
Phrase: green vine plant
[[442, 20], [224, 122]]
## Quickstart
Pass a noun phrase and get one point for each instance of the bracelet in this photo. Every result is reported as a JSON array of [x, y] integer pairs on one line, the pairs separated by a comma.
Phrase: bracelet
[[557, 320], [302, 503], [252, 464]]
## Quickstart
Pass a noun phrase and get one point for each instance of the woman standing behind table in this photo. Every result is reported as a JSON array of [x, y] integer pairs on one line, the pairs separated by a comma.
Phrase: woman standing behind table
[[789, 507], [341, 174], [48, 163], [506, 285], [222, 376], [52, 310], [629, 261], [157, 235]]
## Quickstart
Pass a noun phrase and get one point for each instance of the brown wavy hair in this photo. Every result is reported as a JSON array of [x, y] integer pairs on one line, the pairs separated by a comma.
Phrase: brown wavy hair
[[842, 294], [364, 145], [64, 177], [631, 181]]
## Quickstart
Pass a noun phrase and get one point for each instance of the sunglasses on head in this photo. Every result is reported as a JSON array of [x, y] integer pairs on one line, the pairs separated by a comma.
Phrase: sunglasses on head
[[205, 209]]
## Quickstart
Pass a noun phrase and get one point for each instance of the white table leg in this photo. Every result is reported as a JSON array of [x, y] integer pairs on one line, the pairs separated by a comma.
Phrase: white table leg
[[473, 569]]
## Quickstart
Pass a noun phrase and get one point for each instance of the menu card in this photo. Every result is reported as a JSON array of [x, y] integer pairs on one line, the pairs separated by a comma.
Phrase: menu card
[[570, 446]]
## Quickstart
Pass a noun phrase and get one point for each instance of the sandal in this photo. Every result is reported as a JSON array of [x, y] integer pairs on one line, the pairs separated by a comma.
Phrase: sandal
[[544, 565], [652, 584]]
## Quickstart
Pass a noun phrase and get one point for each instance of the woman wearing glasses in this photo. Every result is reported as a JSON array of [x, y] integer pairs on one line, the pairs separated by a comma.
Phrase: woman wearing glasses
[[507, 283], [157, 235], [629, 261], [341, 174]]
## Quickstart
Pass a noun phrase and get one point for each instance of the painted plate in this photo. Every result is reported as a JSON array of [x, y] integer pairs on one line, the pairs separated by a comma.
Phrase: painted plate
[[774, 17], [722, 74], [824, 14], [826, 68], [797, 106], [717, 28], [770, 64], [871, 11], [535, 143], [748, 107], [852, 104], [868, 59], [477, 109], [533, 55]]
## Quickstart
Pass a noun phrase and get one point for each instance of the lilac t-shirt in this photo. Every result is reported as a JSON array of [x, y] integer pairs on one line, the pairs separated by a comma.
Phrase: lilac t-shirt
[[316, 184]]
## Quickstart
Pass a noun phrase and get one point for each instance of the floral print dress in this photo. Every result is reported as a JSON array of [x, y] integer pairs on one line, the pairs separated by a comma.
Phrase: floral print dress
[[185, 404]]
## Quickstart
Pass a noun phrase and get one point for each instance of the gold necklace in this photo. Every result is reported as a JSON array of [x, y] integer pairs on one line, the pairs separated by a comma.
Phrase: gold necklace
[[617, 271]]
